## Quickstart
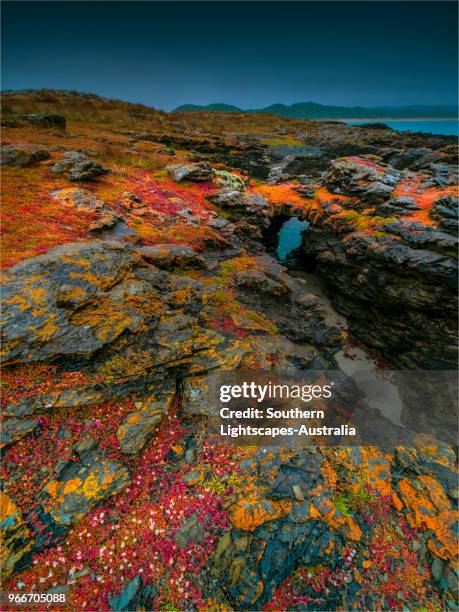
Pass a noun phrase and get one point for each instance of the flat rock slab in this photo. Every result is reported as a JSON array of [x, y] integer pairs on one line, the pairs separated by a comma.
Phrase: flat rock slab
[[82, 485]]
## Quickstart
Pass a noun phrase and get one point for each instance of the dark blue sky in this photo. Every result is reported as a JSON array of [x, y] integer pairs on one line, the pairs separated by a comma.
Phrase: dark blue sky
[[250, 54]]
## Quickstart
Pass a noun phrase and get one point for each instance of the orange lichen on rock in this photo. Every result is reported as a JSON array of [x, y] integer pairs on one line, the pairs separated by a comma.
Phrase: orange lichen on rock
[[424, 198], [378, 472], [283, 194], [252, 510], [345, 524], [14, 542], [322, 194], [427, 507], [70, 500]]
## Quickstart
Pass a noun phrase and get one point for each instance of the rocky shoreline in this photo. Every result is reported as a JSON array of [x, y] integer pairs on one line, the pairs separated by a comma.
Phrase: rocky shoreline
[[140, 264]]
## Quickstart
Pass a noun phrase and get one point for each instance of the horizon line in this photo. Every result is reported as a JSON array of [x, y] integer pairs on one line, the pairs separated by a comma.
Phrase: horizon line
[[342, 105]]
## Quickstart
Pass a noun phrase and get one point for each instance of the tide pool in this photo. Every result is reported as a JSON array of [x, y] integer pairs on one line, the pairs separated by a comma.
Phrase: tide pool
[[290, 237]]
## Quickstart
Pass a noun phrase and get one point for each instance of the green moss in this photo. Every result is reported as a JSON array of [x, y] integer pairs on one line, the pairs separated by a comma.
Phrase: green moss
[[220, 485], [279, 141], [229, 179], [341, 503], [169, 607], [388, 220], [234, 266], [227, 269], [360, 498], [260, 320], [365, 220]]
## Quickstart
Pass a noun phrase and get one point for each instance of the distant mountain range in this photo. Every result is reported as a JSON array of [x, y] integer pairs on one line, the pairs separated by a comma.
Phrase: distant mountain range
[[311, 110]]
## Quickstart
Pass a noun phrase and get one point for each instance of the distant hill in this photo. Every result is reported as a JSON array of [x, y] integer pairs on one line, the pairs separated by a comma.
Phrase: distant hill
[[212, 108], [312, 110]]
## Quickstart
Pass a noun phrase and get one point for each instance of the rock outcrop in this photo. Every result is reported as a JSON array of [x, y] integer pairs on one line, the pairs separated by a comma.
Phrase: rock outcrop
[[365, 178], [113, 493], [190, 172], [257, 555], [395, 280], [47, 121], [78, 167], [81, 485], [105, 298], [102, 216], [22, 156]]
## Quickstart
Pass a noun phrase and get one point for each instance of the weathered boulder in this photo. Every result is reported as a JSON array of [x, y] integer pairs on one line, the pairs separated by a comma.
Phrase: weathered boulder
[[131, 201], [47, 121], [367, 177], [105, 221], [198, 173], [135, 432], [288, 515], [82, 199], [302, 472], [250, 208], [251, 156], [103, 297], [446, 211], [58, 398], [78, 167], [22, 156], [428, 506], [86, 170], [234, 199], [70, 158], [289, 357], [446, 206], [227, 198], [266, 275], [402, 159], [398, 206], [229, 180], [220, 223], [269, 352], [299, 315], [426, 237]]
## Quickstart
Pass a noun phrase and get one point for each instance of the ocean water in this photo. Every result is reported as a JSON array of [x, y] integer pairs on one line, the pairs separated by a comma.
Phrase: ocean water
[[433, 126]]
